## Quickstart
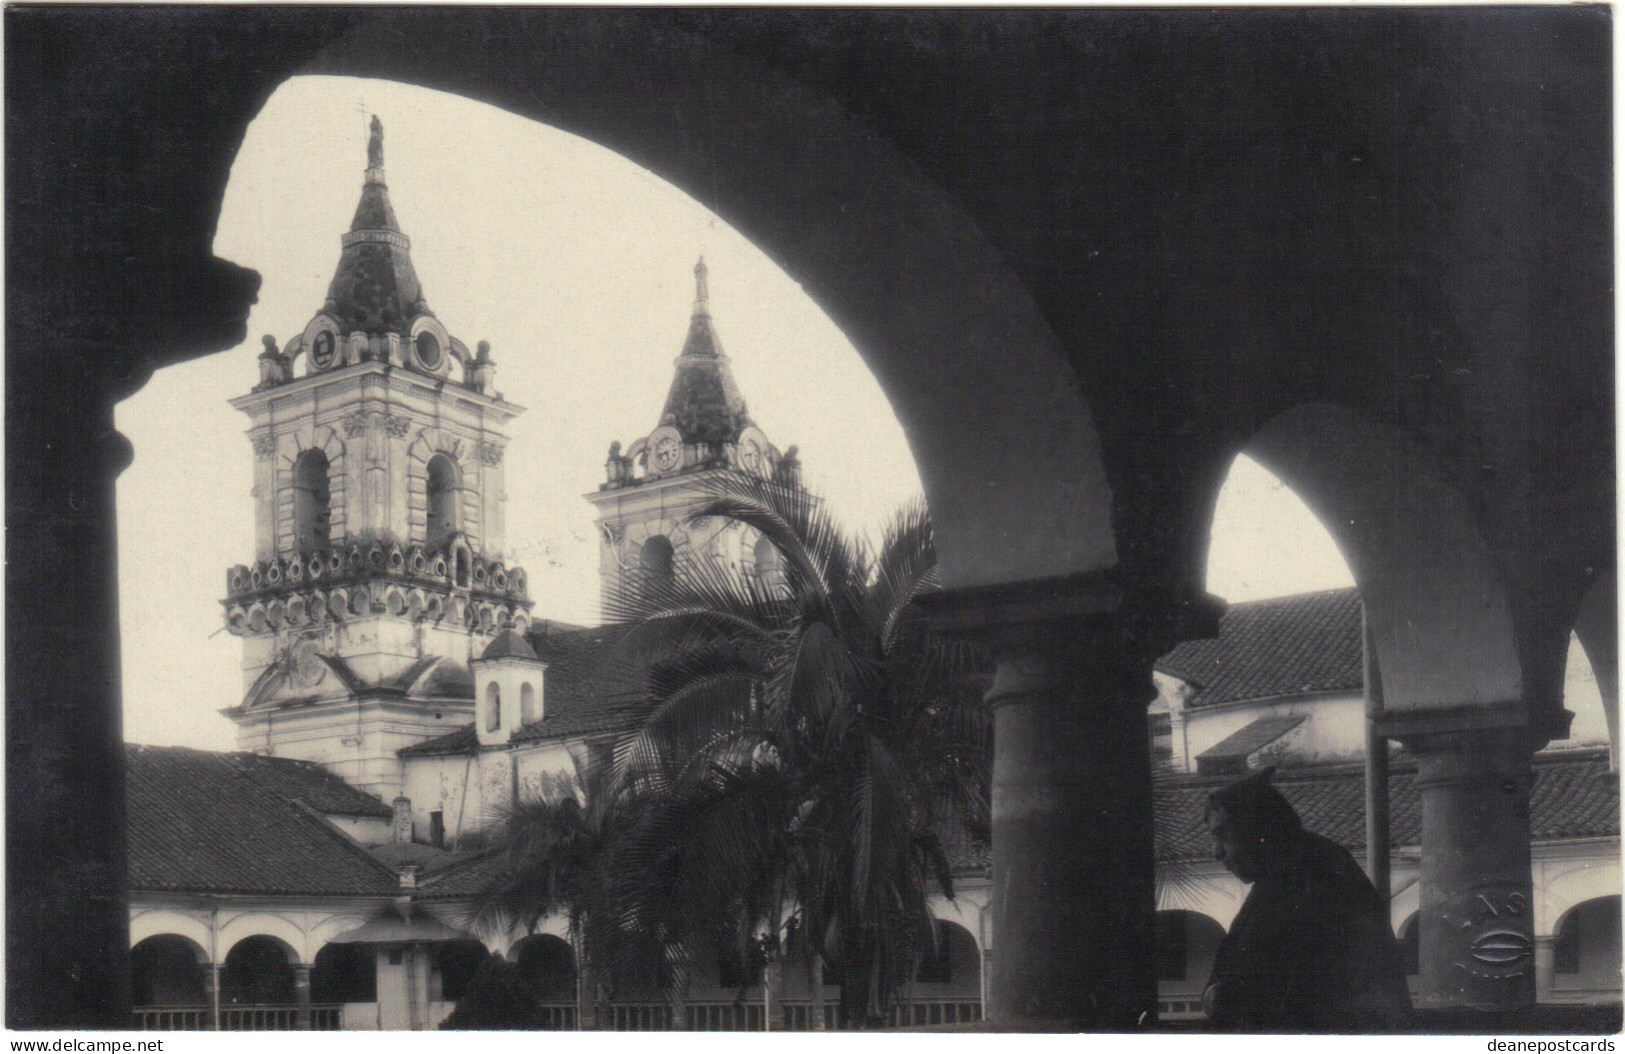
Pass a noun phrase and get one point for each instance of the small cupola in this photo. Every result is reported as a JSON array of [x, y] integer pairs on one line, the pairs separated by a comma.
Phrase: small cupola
[[508, 684]]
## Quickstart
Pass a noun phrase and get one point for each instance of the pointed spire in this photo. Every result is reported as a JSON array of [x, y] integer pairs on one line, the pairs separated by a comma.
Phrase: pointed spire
[[375, 288], [704, 401]]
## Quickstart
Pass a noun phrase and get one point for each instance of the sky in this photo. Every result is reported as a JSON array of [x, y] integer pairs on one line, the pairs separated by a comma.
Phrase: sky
[[577, 266]]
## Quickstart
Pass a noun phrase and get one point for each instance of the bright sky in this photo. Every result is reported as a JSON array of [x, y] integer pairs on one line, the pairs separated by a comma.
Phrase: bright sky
[[576, 265]]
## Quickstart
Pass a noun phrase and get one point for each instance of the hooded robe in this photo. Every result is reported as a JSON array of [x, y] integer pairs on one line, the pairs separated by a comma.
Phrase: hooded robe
[[1311, 949]]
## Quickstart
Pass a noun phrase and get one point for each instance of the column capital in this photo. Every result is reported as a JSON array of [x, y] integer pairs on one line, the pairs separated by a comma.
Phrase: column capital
[[1452, 727], [1089, 609]]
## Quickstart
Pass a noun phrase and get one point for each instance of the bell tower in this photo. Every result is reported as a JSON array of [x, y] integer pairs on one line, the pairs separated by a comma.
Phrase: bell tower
[[704, 431], [378, 495]]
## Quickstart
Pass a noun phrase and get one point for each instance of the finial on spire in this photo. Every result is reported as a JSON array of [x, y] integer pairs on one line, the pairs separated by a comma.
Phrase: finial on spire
[[702, 290], [375, 144]]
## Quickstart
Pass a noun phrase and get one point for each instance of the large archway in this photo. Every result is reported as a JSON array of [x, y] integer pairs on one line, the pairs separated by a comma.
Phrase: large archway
[[1465, 241]]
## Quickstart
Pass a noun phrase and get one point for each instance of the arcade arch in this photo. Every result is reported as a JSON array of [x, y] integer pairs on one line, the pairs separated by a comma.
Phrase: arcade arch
[[168, 970], [258, 971]]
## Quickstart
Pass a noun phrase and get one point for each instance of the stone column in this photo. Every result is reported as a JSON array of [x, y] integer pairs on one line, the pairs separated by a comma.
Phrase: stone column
[[1477, 914], [67, 914], [301, 997], [211, 996], [1074, 896], [1073, 891]]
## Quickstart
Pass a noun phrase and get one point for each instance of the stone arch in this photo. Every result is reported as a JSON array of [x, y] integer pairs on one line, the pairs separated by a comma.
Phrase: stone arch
[[1410, 943], [1438, 611], [657, 557], [443, 485], [259, 970], [158, 921], [888, 254], [1562, 890], [952, 966], [1186, 942], [344, 973], [425, 446], [1596, 624], [325, 439], [1586, 949], [167, 969], [491, 709], [264, 924]]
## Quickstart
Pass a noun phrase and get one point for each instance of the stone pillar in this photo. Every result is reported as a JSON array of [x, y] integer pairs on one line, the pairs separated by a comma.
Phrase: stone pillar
[[1074, 896], [301, 997], [211, 996], [1477, 914], [1073, 887], [67, 914]]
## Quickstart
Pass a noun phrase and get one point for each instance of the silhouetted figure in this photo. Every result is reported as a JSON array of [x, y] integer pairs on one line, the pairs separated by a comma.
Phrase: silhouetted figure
[[1311, 949]]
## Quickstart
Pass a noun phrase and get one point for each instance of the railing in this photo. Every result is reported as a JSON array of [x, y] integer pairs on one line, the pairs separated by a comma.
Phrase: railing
[[635, 1017], [171, 1018], [558, 1017], [1180, 1008], [917, 1012], [324, 1017], [738, 1016]]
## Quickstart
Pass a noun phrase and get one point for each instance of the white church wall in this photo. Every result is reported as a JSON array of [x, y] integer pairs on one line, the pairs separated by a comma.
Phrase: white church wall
[[1333, 728]]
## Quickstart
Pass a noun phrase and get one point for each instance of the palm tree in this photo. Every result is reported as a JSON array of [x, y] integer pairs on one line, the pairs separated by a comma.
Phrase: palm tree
[[806, 744], [549, 857]]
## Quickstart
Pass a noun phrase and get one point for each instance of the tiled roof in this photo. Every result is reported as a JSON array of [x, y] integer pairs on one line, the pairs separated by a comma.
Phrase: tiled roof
[[588, 687], [1270, 648], [1574, 796], [461, 741], [1251, 738], [240, 823]]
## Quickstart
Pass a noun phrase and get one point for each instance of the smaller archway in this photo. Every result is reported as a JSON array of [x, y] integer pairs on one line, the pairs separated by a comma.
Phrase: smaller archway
[[547, 964], [167, 970], [656, 557], [1586, 953], [493, 707], [1410, 947], [527, 704], [769, 564], [258, 971], [444, 496], [952, 966], [344, 973], [312, 501]]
